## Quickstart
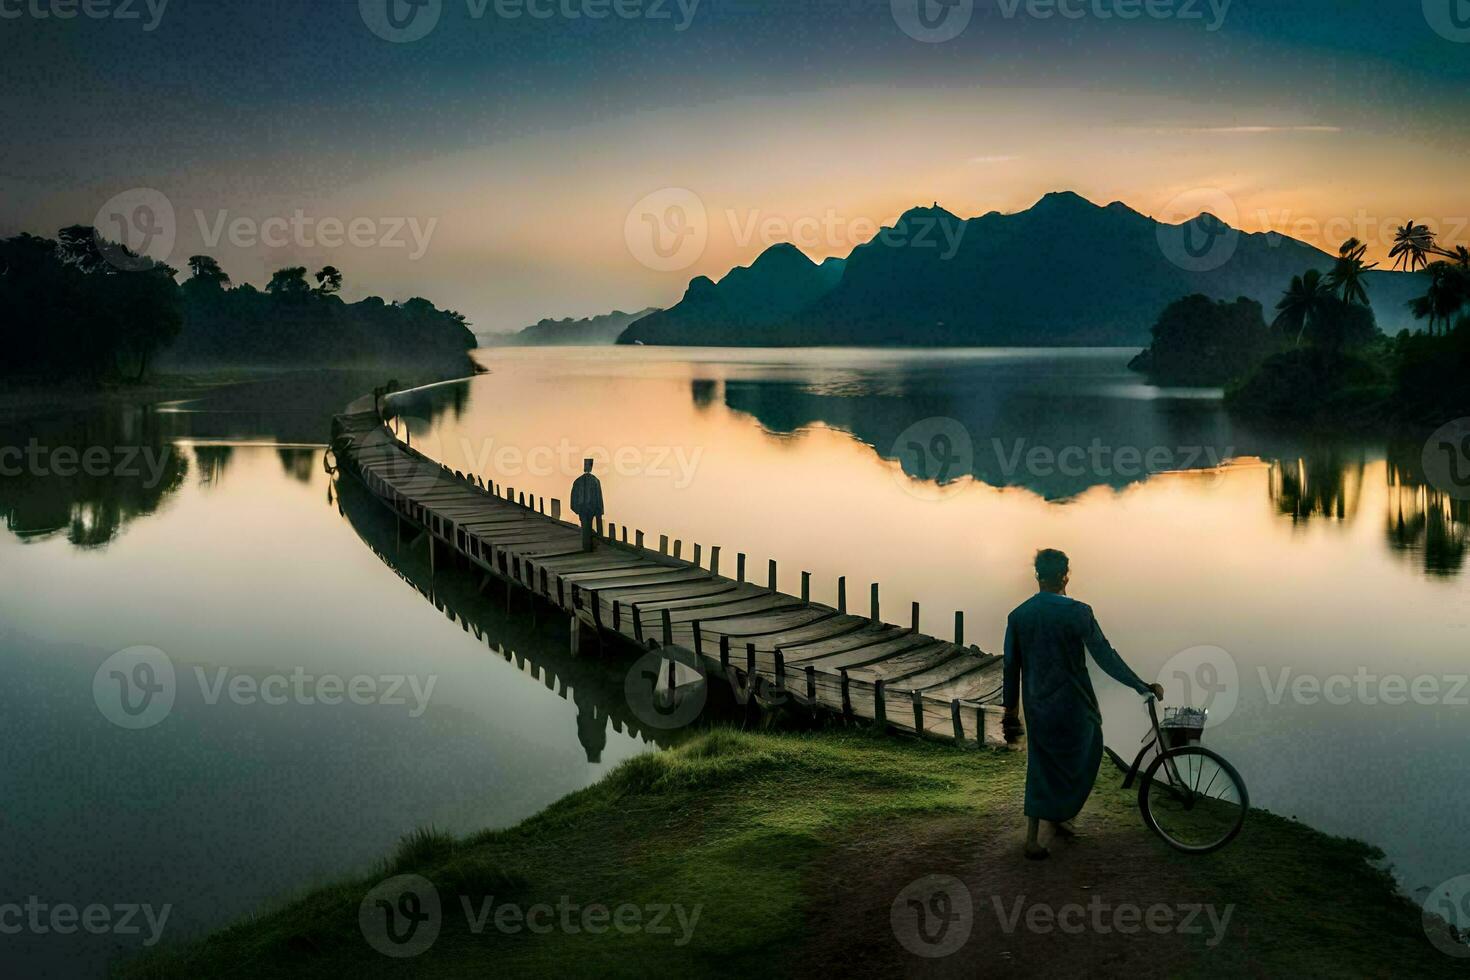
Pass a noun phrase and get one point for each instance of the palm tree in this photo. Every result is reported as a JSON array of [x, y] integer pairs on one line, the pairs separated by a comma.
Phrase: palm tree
[[1348, 272], [1449, 292], [1305, 302], [1412, 246]]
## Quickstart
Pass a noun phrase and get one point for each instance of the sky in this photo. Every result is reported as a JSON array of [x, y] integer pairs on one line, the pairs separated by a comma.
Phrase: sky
[[520, 159]]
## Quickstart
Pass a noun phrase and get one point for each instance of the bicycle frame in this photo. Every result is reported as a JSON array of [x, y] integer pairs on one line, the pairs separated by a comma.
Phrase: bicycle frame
[[1157, 740]]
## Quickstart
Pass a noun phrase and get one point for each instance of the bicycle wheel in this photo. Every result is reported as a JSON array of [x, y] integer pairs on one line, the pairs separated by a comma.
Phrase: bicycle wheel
[[1193, 799]]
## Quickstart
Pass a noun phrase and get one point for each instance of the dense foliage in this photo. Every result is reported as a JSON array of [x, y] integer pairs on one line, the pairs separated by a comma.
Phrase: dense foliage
[[81, 308], [69, 312], [1200, 341]]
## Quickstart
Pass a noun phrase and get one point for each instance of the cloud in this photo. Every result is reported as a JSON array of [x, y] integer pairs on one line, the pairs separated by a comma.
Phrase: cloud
[[1245, 130]]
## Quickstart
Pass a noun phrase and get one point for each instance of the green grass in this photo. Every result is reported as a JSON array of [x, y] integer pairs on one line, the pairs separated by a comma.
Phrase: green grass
[[750, 828]]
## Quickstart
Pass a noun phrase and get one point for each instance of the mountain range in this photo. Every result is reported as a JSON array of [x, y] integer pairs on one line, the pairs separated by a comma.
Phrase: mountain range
[[586, 332], [1065, 272]]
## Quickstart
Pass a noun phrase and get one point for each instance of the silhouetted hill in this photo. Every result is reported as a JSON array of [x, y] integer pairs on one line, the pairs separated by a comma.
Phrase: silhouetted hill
[[749, 307], [586, 332], [1065, 272]]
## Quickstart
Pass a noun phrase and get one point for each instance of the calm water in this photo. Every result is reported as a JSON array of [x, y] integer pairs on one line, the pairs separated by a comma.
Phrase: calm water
[[1211, 554]]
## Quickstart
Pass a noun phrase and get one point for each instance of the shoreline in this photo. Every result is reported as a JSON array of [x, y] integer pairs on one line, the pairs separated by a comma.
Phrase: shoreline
[[806, 842]]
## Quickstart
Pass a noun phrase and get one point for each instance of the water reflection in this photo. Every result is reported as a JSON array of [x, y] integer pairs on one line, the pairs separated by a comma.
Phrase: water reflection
[[1327, 484], [1424, 524], [88, 477], [596, 688], [1055, 425]]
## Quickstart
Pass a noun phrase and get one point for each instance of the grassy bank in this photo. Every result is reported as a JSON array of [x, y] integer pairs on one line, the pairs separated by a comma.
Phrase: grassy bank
[[793, 848]]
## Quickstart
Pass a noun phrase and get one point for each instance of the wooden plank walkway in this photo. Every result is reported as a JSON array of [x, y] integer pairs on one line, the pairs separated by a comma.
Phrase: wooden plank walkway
[[767, 644]]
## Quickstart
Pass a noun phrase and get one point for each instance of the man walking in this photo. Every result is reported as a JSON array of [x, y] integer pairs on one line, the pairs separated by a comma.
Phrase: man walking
[[1045, 637], [587, 503]]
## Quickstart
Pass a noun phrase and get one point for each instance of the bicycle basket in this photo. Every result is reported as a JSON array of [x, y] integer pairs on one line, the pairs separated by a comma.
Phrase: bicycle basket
[[1183, 726]]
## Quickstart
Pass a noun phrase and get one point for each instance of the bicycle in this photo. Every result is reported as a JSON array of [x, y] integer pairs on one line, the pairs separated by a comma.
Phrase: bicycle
[[1189, 818]]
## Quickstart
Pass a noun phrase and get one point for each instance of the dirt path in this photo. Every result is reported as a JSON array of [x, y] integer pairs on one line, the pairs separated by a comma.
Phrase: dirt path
[[1081, 913]]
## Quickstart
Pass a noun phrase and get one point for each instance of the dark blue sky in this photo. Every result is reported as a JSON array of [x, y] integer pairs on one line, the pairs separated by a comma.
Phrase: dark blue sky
[[251, 104]]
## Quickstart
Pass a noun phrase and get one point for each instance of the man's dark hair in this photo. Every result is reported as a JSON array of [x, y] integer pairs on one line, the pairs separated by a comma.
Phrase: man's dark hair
[[1051, 566]]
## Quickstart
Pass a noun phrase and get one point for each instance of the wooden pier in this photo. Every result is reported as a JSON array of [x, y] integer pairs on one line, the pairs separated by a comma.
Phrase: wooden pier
[[768, 645]]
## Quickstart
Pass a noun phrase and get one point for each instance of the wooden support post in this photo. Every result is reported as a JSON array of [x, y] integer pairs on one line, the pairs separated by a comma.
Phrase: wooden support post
[[876, 618], [740, 567], [556, 510], [846, 694], [637, 622], [640, 539], [625, 534], [842, 594], [576, 635], [725, 652], [918, 698], [541, 505], [433, 556], [959, 723], [663, 544], [771, 575], [880, 710], [811, 685], [612, 531], [673, 664], [959, 629], [523, 498], [678, 548], [668, 628], [914, 619], [780, 670], [561, 598], [617, 616], [806, 586], [596, 608], [698, 554], [698, 639], [714, 560]]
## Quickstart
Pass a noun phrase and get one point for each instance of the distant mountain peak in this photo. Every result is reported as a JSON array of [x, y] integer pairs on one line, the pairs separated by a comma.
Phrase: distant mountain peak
[[1064, 201]]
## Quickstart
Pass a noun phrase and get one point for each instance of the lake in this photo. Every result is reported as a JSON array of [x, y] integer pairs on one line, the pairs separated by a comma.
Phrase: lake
[[325, 695]]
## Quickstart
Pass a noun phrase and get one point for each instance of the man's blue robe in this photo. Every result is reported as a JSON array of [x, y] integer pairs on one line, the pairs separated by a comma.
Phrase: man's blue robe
[[1045, 636]]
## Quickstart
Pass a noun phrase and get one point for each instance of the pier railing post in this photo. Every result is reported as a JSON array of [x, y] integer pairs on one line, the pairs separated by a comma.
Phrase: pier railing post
[[740, 567], [876, 617], [959, 629], [714, 559], [914, 619], [842, 594], [806, 586], [771, 576]]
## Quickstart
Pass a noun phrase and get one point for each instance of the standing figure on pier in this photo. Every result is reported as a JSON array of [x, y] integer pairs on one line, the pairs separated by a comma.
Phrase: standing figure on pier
[[587, 503], [1045, 637]]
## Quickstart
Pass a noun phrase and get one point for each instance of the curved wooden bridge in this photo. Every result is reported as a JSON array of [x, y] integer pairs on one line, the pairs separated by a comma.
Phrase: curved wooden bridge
[[766, 644]]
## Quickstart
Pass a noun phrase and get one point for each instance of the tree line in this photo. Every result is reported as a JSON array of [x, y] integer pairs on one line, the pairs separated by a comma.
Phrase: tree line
[[79, 307]]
